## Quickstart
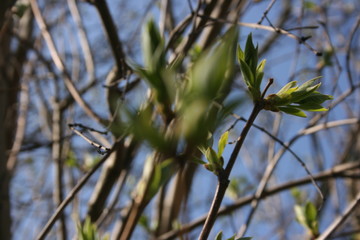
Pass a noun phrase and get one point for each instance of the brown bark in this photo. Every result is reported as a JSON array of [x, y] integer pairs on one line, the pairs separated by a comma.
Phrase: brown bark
[[11, 64]]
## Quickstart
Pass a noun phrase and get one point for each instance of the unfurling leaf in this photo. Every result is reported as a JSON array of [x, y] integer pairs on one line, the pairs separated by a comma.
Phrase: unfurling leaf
[[292, 99], [251, 71]]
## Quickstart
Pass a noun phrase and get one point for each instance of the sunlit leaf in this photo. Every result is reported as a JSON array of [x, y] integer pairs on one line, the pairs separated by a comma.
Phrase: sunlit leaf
[[222, 143], [312, 107], [259, 77], [285, 90], [300, 215], [316, 98], [293, 111], [261, 66], [240, 54]]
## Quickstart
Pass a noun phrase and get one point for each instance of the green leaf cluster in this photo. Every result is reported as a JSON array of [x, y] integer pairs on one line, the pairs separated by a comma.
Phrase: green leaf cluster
[[307, 216], [251, 71], [209, 79], [293, 99], [186, 100], [88, 231], [215, 159], [155, 71]]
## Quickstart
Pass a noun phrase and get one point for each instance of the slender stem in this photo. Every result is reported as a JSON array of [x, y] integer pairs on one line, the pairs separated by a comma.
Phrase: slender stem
[[223, 177], [59, 210]]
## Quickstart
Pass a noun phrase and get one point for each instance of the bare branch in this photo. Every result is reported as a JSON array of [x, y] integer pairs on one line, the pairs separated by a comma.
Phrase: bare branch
[[301, 40], [341, 219], [84, 43], [111, 31], [348, 50], [71, 195], [335, 172], [59, 63]]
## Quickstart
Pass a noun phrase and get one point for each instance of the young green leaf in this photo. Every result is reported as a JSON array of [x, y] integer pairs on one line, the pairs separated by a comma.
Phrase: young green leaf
[[240, 54], [300, 215], [222, 143], [311, 218], [145, 130], [247, 74], [153, 47], [312, 107], [310, 212], [252, 73], [293, 111], [197, 161], [251, 54], [219, 236], [285, 90], [211, 156], [308, 85], [292, 99], [307, 216], [261, 66], [316, 98], [88, 231]]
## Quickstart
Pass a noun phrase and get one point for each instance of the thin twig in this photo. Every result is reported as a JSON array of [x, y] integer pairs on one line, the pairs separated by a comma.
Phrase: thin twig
[[335, 172], [266, 11], [268, 172], [100, 149], [341, 219], [59, 63], [21, 127], [348, 51], [223, 180], [71, 195], [223, 176], [238, 118], [301, 40], [111, 31], [270, 82], [84, 43], [331, 124], [57, 157], [71, 125]]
